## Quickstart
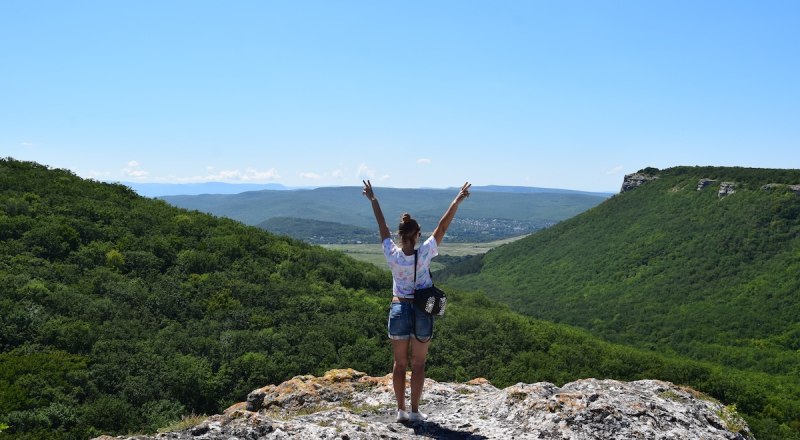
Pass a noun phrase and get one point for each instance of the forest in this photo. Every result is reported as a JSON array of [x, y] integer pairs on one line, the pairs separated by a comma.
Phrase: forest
[[121, 314], [317, 231]]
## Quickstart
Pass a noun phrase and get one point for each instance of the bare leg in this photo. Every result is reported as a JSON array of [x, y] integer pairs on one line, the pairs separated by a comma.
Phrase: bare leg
[[400, 349], [419, 352]]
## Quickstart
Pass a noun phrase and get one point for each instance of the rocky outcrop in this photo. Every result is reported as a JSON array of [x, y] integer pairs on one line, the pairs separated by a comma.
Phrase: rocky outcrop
[[771, 186], [346, 404], [702, 183], [726, 189], [635, 180]]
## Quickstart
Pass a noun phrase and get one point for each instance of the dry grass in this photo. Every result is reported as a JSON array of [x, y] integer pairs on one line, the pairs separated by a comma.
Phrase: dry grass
[[184, 423]]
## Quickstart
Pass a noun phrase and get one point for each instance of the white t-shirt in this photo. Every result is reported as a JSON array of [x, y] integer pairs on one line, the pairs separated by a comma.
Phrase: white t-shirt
[[402, 266]]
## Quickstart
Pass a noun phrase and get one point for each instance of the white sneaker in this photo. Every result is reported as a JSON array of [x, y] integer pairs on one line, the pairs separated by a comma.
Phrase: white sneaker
[[402, 416], [417, 417]]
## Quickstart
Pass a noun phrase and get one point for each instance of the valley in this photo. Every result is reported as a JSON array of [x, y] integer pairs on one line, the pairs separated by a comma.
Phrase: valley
[[340, 215], [449, 253]]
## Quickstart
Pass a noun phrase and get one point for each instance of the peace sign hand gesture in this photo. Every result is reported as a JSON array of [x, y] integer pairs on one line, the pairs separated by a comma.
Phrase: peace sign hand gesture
[[464, 192], [367, 190]]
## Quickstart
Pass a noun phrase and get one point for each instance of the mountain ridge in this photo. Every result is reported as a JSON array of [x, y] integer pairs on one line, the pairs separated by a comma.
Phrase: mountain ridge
[[176, 189], [513, 213], [160, 189], [640, 241]]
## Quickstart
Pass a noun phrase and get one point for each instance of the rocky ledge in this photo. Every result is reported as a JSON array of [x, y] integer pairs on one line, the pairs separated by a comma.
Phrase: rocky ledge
[[635, 180], [346, 404]]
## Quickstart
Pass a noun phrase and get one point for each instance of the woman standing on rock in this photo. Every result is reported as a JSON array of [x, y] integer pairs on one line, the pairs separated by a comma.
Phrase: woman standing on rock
[[406, 328]]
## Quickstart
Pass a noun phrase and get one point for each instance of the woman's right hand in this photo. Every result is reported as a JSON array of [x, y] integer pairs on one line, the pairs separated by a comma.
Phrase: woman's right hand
[[367, 190], [464, 192]]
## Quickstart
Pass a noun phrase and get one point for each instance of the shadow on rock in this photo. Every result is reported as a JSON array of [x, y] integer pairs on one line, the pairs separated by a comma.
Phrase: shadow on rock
[[437, 431]]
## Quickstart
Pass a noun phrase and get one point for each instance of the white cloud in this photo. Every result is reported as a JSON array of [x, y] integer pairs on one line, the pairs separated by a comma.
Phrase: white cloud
[[337, 174], [27, 144], [384, 178], [309, 175], [134, 171], [136, 174], [424, 161], [249, 174], [364, 172], [616, 170]]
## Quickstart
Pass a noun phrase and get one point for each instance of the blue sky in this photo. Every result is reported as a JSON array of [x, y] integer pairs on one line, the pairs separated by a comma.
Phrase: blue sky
[[560, 94]]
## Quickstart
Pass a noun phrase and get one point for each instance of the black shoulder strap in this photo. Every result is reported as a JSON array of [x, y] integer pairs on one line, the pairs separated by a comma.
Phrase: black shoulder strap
[[415, 270], [414, 308]]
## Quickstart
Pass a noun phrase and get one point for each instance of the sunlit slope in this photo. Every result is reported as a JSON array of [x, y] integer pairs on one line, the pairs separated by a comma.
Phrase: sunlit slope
[[668, 266]]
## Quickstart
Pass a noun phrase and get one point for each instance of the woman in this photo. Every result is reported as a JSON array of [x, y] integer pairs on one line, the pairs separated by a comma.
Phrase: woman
[[406, 328]]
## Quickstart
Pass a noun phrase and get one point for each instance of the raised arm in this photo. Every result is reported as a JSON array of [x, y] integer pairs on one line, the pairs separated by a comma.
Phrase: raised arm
[[376, 208], [444, 223]]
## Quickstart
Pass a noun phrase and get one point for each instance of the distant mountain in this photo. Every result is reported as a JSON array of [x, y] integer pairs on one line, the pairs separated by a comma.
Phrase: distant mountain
[[487, 215], [191, 189], [174, 189]]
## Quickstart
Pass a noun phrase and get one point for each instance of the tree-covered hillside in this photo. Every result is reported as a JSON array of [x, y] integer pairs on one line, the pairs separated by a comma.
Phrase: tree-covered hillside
[[319, 232], [121, 314], [669, 267]]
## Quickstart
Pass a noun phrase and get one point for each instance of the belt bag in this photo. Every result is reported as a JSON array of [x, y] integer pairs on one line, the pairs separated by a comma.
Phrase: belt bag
[[431, 300]]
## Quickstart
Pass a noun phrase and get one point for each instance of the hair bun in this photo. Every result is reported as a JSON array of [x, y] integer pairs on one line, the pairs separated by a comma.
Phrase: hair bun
[[409, 228]]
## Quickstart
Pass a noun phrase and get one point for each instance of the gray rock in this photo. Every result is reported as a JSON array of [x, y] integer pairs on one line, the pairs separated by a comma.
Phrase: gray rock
[[255, 400], [635, 180], [726, 189], [702, 183], [770, 186], [345, 404]]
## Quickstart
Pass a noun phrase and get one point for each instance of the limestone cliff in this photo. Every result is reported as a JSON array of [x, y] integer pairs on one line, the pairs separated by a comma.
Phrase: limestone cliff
[[346, 404], [635, 180]]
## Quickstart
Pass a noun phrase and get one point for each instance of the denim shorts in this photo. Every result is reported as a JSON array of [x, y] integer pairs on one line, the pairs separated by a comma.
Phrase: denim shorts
[[405, 321]]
